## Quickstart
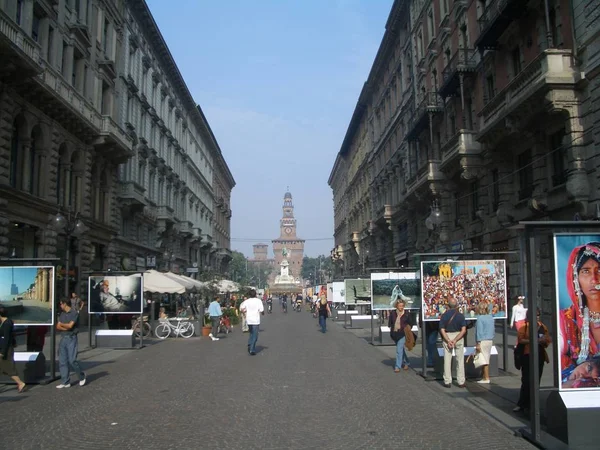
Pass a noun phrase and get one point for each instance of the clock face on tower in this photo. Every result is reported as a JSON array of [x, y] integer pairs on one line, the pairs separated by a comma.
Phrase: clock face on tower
[[288, 230]]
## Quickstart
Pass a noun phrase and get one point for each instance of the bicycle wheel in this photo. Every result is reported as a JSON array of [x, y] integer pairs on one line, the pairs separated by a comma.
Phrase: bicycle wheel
[[162, 331], [187, 330], [147, 330], [136, 330]]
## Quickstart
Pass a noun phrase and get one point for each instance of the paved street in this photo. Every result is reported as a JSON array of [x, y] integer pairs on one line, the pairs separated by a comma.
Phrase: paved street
[[302, 390]]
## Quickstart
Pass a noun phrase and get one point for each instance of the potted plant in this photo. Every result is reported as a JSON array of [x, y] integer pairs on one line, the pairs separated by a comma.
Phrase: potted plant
[[207, 327]]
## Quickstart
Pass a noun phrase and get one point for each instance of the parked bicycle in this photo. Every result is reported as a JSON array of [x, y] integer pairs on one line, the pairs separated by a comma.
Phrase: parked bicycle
[[184, 328], [146, 328]]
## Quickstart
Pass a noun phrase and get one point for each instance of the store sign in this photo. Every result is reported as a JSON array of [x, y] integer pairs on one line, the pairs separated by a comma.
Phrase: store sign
[[192, 270]]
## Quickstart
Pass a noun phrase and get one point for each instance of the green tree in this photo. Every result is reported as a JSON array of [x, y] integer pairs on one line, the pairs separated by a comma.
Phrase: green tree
[[238, 268], [318, 270]]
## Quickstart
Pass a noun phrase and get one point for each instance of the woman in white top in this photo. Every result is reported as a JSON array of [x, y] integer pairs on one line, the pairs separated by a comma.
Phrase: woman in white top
[[519, 313]]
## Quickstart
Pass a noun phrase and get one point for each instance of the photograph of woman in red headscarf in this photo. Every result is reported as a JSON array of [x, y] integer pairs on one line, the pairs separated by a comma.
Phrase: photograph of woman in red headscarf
[[578, 296]]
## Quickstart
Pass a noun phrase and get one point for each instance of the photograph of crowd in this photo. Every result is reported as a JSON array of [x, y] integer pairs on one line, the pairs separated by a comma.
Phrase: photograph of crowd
[[577, 271], [27, 293], [468, 282], [122, 294], [357, 291], [391, 286]]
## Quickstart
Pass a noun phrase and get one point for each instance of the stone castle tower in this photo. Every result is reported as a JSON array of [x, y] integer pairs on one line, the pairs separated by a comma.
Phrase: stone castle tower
[[293, 245]]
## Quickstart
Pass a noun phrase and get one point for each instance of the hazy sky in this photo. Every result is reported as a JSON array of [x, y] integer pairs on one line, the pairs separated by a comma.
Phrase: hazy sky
[[278, 81]]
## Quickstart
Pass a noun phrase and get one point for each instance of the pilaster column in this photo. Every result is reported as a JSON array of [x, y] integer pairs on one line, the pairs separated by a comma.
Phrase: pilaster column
[[47, 236]]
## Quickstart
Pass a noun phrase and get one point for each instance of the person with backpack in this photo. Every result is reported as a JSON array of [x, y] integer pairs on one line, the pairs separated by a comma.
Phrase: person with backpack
[[324, 313]]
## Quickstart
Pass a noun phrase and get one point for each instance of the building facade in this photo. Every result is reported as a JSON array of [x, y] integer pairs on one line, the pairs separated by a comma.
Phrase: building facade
[[288, 242], [175, 191], [60, 142], [472, 119], [97, 124]]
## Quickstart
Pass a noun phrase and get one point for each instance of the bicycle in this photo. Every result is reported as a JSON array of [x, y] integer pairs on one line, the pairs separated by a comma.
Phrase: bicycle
[[146, 328], [184, 328]]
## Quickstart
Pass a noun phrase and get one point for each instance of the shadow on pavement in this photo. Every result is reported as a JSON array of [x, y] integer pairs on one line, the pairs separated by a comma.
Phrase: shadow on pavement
[[95, 376], [388, 362], [260, 348]]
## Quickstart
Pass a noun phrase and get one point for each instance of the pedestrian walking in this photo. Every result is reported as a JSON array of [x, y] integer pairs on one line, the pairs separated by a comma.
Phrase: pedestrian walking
[[400, 322], [67, 326], [544, 340], [453, 327], [252, 309], [215, 313], [484, 336], [324, 313], [7, 350]]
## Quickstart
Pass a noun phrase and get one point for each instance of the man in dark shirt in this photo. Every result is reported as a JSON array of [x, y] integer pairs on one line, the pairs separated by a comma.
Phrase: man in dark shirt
[[453, 327], [67, 349]]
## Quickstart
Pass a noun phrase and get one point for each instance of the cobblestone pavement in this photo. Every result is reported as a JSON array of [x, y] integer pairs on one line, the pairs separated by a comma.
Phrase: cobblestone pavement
[[303, 390]]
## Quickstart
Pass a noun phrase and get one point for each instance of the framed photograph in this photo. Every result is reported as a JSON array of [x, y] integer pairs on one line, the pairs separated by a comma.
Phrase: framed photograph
[[357, 291], [27, 292], [468, 282], [337, 290], [577, 272], [116, 294], [386, 288]]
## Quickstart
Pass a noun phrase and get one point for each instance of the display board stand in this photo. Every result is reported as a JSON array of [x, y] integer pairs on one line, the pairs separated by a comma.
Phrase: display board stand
[[571, 432], [574, 414], [36, 261], [116, 337]]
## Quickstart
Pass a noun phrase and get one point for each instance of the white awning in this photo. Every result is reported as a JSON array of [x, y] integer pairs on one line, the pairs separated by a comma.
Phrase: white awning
[[160, 283]]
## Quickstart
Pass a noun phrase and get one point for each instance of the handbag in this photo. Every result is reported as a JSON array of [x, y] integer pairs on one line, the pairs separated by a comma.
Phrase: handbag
[[479, 360], [518, 355]]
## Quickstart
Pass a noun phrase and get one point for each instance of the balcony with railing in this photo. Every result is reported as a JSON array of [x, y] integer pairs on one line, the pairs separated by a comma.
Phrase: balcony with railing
[[461, 152], [117, 145], [132, 194], [495, 19], [552, 68], [18, 48], [463, 63], [186, 228], [165, 213], [430, 104]]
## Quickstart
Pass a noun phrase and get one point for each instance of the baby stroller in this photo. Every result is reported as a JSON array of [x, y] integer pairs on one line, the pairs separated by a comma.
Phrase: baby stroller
[[225, 325]]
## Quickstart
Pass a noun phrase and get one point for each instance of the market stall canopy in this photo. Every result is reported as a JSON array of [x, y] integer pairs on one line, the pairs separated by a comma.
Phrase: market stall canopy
[[157, 282], [225, 286]]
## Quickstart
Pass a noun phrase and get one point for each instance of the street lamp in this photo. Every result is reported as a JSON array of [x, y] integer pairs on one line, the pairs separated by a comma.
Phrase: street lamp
[[72, 226], [168, 257]]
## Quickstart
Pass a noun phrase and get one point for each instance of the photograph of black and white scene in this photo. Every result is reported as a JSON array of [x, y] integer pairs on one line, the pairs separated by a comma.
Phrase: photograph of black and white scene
[[392, 286], [122, 294], [27, 292], [357, 291]]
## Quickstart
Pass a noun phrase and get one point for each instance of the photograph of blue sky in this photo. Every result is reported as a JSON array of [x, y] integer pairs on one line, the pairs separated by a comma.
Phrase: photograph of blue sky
[[23, 276], [278, 82]]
